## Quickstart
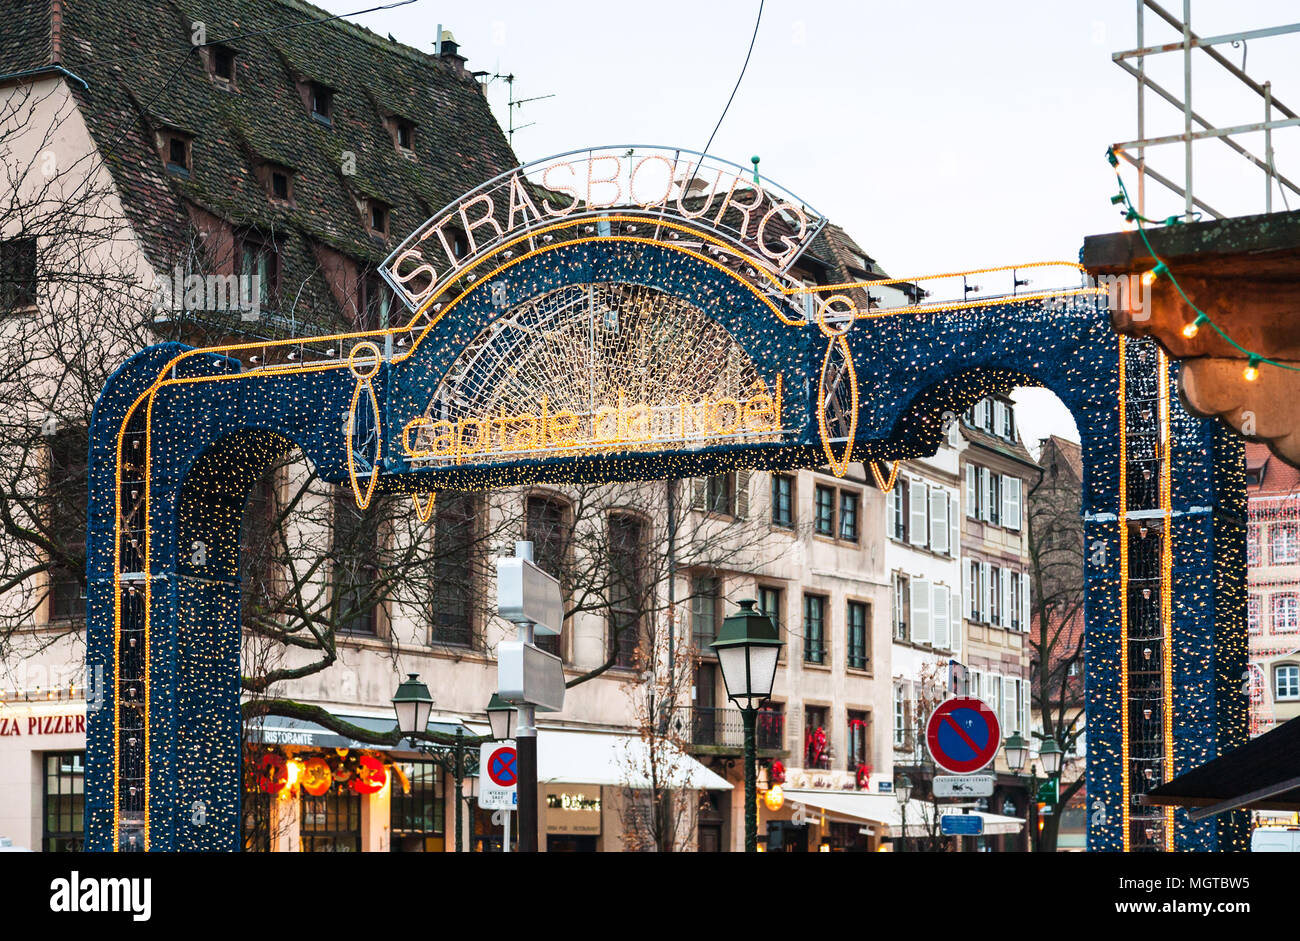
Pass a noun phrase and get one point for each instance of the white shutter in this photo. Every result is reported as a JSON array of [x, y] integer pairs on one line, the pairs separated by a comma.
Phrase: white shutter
[[920, 611], [1011, 502], [995, 696], [999, 416], [939, 519], [986, 489], [895, 508], [1010, 710], [954, 528], [1004, 599], [972, 492], [917, 523], [954, 623], [1027, 688], [985, 595], [1025, 608], [965, 571], [940, 616], [982, 413], [742, 493]]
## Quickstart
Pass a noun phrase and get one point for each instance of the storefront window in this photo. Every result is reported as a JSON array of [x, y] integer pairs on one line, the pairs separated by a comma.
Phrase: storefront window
[[417, 816], [65, 802], [331, 823]]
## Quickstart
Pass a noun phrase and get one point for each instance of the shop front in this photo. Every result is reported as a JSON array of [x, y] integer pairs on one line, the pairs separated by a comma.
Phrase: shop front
[[42, 757]]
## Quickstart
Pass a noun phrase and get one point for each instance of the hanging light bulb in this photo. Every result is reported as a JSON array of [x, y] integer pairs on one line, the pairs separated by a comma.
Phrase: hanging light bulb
[[1146, 653], [1251, 372], [1194, 327], [1149, 277]]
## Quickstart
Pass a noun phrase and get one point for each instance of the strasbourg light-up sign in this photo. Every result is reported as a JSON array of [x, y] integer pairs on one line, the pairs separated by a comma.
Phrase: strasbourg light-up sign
[[520, 210]]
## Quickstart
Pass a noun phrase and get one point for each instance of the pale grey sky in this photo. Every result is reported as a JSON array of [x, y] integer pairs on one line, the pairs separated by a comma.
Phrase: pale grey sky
[[942, 135]]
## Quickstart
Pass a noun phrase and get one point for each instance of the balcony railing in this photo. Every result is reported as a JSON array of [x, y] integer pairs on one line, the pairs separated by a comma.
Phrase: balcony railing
[[723, 728]]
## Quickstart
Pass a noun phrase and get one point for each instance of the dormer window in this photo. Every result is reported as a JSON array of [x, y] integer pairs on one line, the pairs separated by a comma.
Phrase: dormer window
[[321, 101], [278, 181], [403, 135], [177, 153], [377, 215], [221, 65]]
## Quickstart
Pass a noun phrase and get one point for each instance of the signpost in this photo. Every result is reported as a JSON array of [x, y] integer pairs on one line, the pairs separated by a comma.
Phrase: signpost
[[963, 735], [963, 785]]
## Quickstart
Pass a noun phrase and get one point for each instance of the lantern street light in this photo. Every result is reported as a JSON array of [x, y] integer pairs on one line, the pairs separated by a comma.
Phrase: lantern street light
[[413, 704], [747, 647], [503, 717], [902, 794], [1016, 749]]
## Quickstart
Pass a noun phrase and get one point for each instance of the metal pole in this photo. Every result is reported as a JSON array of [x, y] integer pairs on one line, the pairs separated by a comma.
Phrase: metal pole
[[1268, 147], [1142, 120], [1187, 104], [460, 787], [526, 741], [505, 841], [748, 717], [1033, 803]]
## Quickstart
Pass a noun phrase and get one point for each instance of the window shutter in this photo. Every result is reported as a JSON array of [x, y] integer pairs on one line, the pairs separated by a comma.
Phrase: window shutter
[[920, 611], [954, 528], [999, 417], [965, 571], [939, 519], [954, 623], [940, 611], [1011, 502], [985, 596], [1004, 602], [986, 492], [917, 519], [1009, 711], [982, 413], [972, 492], [697, 493], [1025, 608], [742, 493]]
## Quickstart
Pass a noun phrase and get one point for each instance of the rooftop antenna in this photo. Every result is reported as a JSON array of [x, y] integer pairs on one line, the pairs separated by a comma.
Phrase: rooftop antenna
[[514, 103]]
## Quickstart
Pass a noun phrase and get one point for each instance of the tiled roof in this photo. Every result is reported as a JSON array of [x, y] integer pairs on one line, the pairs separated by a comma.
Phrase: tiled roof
[[1278, 476], [26, 39], [127, 49], [1070, 451]]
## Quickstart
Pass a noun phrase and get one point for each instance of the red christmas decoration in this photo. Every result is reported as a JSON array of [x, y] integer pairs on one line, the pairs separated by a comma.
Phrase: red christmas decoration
[[370, 776], [777, 775], [273, 775]]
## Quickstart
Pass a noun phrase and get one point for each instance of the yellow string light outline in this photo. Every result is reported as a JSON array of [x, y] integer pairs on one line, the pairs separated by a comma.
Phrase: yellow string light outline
[[1166, 583], [880, 479], [424, 511], [1123, 595]]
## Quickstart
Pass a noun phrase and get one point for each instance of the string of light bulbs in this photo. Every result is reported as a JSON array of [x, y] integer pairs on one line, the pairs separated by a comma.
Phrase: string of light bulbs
[[1253, 360]]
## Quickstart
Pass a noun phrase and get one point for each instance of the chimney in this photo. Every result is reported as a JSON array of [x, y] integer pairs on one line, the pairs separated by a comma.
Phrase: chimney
[[449, 51]]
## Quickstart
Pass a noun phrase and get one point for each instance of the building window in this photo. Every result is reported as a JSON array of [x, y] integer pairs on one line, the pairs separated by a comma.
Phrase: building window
[[859, 634], [769, 602], [63, 824], [404, 135], [783, 501], [975, 592], [17, 273], [452, 596], [720, 494], [221, 62], [377, 218], [331, 823], [824, 510], [706, 608], [898, 510], [178, 154], [900, 717], [995, 594], [627, 586], [1282, 537], [1252, 544], [376, 303], [814, 629], [1252, 614], [66, 506], [1014, 603], [416, 818], [547, 526], [849, 516], [260, 260], [902, 607], [817, 743], [356, 570], [321, 100], [859, 739], [1008, 422], [1285, 614], [1286, 681]]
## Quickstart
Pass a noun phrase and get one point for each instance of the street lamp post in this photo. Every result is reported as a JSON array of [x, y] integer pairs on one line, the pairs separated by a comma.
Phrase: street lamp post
[[1016, 749], [747, 647], [902, 794]]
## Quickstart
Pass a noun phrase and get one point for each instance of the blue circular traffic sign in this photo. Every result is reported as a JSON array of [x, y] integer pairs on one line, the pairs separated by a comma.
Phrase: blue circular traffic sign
[[963, 735]]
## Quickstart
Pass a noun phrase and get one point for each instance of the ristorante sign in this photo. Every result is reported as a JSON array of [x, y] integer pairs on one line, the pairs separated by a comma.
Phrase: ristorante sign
[[671, 192]]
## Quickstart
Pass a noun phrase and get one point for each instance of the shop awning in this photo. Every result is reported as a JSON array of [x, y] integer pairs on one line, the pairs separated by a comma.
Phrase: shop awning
[[1264, 773], [576, 756], [883, 811], [281, 730]]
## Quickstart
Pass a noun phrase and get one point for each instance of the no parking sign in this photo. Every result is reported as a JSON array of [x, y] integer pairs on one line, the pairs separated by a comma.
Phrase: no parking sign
[[498, 776], [963, 735]]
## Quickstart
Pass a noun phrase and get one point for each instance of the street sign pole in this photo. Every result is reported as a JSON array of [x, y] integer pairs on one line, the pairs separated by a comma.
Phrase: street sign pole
[[526, 740], [505, 842]]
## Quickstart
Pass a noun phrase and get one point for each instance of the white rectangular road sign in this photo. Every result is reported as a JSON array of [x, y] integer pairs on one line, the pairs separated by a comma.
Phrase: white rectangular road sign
[[528, 675], [497, 764], [963, 785]]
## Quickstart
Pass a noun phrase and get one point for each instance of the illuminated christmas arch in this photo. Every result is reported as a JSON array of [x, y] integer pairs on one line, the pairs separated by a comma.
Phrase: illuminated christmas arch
[[623, 314]]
